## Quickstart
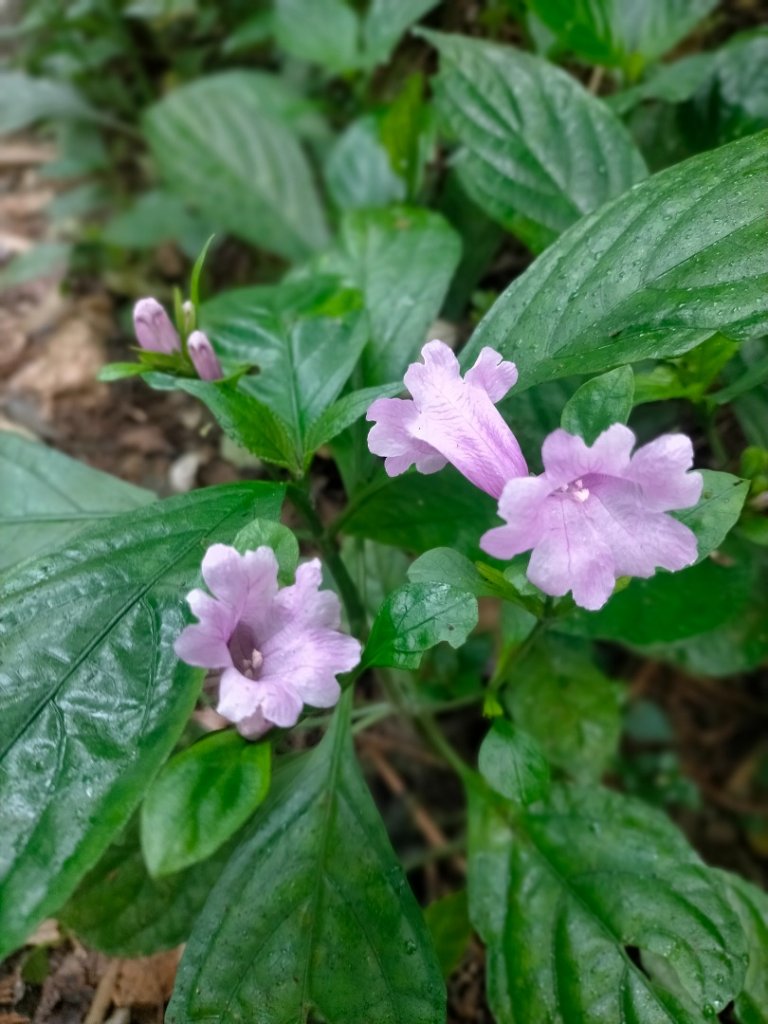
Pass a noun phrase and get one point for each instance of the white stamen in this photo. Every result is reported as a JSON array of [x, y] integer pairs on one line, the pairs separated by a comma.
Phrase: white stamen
[[250, 666]]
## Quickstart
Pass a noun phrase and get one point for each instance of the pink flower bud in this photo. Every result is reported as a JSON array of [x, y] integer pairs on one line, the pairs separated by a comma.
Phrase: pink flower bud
[[154, 330], [203, 357]]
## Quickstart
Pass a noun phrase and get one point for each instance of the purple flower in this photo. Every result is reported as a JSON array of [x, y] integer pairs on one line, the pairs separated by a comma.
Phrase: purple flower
[[599, 513], [277, 649], [203, 357], [450, 419], [154, 330]]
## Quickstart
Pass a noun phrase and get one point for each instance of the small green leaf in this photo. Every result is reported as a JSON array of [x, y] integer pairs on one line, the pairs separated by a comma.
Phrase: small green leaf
[[357, 170], [46, 499], [343, 413], [385, 23], [276, 536], [599, 403], [312, 918], [444, 565], [448, 922], [414, 618], [717, 510], [536, 144], [201, 798], [512, 763], [325, 32], [593, 907], [92, 697], [111, 372]]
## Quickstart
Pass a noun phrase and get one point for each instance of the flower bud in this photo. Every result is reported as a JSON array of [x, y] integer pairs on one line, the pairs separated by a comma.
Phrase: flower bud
[[154, 330], [189, 316], [203, 357]]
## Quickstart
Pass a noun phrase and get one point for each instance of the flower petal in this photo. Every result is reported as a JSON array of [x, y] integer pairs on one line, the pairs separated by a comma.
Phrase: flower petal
[[493, 374], [310, 660], [225, 576], [661, 470], [391, 437], [460, 421], [521, 505], [303, 604], [567, 458], [239, 698], [280, 703], [200, 646], [254, 727], [572, 555]]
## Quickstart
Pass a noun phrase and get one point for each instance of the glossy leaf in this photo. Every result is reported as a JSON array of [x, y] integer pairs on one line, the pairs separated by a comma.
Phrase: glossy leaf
[[621, 33], [535, 143], [414, 618], [652, 273], [402, 260], [276, 536], [417, 513], [312, 918], [304, 337], [513, 764], [600, 402], [593, 908], [201, 798], [226, 145], [92, 695], [119, 909], [751, 905], [47, 498], [344, 412], [358, 172]]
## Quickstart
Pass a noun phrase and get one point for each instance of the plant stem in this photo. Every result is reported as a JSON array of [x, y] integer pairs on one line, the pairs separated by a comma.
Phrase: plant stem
[[432, 732]]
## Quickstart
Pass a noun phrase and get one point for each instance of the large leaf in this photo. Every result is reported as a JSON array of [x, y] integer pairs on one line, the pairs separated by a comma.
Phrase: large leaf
[[621, 33], [751, 904], [654, 272], [402, 260], [305, 338], [47, 498], [119, 909], [92, 695], [226, 145], [358, 171], [535, 143], [594, 909], [312, 918]]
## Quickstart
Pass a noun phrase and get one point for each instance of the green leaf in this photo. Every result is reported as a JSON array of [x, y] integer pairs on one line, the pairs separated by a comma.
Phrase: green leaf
[[46, 499], [718, 509], [751, 905], [46, 259], [512, 763], [564, 702], [594, 908], [414, 618], [600, 402], [325, 32], [344, 412], [25, 99], [621, 33], [448, 922], [406, 132], [92, 695], [305, 336], [358, 172], [156, 217], [402, 260], [417, 513], [535, 143], [276, 536], [317, 909], [673, 83], [652, 273], [386, 22], [119, 909], [444, 565], [226, 145], [201, 798]]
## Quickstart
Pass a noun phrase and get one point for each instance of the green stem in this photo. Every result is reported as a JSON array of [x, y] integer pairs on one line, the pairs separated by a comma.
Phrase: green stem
[[512, 656], [349, 592], [432, 732]]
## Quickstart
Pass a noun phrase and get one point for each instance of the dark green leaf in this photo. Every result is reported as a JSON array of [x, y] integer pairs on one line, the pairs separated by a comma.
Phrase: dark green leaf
[[594, 909], [559, 696], [536, 143], [201, 798], [276, 536], [312, 918], [358, 172], [402, 260], [344, 412], [673, 83], [718, 509], [600, 402], [417, 513], [119, 909], [652, 273], [324, 32], [46, 499], [751, 905], [448, 922], [512, 763], [444, 565], [92, 695], [414, 618], [226, 145]]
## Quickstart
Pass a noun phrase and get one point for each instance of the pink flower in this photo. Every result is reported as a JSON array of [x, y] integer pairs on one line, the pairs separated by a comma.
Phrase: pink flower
[[277, 649], [203, 357], [450, 419], [599, 513], [154, 330]]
